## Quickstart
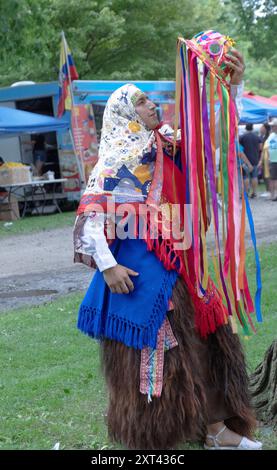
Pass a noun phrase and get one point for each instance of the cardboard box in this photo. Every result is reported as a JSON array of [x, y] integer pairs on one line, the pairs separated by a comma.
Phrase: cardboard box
[[9, 210], [14, 174]]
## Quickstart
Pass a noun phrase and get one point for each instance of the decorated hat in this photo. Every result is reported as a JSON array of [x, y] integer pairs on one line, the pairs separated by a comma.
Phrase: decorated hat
[[211, 47]]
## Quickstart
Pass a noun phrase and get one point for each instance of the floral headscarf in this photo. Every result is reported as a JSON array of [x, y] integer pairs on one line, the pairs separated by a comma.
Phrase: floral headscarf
[[123, 169]]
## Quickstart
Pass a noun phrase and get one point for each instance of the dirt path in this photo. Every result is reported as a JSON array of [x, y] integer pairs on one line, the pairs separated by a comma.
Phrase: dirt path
[[38, 267]]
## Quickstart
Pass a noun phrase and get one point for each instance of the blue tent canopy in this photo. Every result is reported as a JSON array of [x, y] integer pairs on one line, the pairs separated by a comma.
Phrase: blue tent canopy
[[15, 122], [256, 112]]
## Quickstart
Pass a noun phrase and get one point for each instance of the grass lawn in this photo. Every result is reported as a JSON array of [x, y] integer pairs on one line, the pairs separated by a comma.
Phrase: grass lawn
[[51, 386], [37, 223]]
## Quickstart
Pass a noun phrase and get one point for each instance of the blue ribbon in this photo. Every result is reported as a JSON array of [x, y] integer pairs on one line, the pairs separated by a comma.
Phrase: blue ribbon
[[258, 266]]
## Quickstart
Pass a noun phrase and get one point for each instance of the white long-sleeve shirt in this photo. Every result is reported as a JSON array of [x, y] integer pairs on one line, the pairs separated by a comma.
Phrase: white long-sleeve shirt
[[94, 243], [93, 240]]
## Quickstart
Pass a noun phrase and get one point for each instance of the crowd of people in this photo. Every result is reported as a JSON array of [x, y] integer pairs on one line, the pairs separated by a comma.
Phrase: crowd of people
[[258, 156]]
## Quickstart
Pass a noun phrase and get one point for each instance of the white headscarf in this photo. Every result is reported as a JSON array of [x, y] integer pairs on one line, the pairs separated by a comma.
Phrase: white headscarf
[[125, 140]]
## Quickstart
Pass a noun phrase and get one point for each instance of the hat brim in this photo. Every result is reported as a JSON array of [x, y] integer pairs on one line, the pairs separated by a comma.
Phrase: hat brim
[[214, 68]]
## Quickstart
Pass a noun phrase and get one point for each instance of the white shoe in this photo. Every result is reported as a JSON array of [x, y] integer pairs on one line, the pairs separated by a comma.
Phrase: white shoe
[[248, 444], [245, 443]]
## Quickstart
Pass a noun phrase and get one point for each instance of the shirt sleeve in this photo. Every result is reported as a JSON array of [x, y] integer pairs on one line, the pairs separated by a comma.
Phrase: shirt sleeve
[[237, 93], [94, 243]]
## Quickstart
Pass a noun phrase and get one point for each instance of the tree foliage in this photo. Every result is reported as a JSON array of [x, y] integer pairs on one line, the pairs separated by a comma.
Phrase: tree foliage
[[254, 23], [257, 23], [110, 38], [123, 39]]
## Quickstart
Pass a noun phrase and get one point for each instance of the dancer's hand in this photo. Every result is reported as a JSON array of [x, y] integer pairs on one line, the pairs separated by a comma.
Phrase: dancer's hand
[[118, 279], [236, 63]]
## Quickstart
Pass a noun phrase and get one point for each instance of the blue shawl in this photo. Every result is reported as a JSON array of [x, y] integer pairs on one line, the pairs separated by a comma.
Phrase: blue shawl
[[134, 318]]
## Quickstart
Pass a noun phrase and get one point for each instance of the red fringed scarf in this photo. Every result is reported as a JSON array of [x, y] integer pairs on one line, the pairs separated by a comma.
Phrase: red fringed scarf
[[210, 312]]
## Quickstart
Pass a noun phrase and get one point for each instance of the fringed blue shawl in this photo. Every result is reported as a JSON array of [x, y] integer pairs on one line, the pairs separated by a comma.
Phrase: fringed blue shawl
[[134, 318]]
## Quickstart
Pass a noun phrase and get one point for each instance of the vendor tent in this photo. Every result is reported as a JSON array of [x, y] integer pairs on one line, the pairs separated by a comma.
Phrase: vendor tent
[[257, 109], [15, 122], [262, 99]]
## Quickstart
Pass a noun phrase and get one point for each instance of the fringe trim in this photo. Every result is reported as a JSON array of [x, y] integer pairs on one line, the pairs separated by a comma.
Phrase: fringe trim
[[98, 324], [209, 317]]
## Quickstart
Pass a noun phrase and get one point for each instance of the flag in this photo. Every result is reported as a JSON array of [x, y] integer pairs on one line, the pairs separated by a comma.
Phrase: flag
[[67, 74]]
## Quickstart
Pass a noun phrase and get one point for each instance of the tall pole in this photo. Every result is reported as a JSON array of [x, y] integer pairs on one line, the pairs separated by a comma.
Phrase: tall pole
[[79, 160]]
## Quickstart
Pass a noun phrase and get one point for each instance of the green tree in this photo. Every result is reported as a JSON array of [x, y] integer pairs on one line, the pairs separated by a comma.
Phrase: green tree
[[257, 23], [118, 39], [253, 23], [130, 39]]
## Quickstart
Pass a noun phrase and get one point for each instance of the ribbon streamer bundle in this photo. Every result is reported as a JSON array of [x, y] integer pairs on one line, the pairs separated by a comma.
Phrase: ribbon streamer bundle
[[201, 73]]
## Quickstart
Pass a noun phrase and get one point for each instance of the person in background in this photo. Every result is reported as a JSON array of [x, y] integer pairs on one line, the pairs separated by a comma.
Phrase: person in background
[[39, 153], [264, 163], [246, 166], [264, 132], [252, 147], [270, 153]]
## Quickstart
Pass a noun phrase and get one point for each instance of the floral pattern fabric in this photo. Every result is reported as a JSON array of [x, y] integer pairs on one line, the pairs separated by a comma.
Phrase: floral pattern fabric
[[123, 169]]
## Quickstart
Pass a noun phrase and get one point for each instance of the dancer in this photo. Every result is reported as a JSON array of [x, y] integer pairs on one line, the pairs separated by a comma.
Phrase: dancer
[[174, 368]]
